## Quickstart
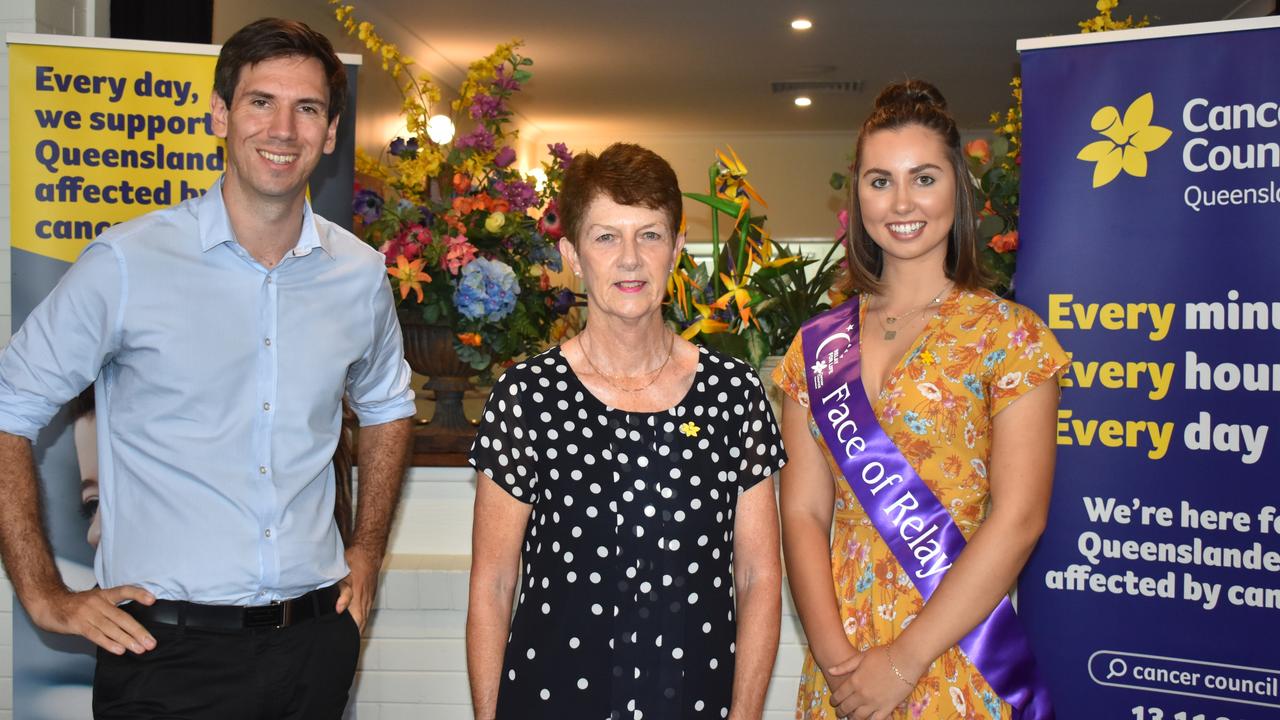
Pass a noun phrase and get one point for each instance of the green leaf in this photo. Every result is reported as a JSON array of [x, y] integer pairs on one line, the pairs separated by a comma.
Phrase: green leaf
[[728, 207], [990, 225], [999, 146], [757, 348], [838, 181], [522, 76]]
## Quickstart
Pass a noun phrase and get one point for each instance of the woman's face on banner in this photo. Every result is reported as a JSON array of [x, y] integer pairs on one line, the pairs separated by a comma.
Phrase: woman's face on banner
[[907, 192], [86, 437]]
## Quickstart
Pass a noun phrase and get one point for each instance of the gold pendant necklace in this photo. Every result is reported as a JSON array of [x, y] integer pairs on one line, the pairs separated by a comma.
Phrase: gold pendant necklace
[[656, 373], [886, 319]]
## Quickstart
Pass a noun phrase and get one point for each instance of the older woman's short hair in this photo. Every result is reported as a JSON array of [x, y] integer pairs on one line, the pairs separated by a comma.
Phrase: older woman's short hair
[[629, 175]]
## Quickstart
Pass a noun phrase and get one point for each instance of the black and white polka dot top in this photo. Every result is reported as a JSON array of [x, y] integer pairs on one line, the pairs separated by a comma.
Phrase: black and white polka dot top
[[626, 606]]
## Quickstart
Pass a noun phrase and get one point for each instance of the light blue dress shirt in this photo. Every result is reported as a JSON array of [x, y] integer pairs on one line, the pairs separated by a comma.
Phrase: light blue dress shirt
[[218, 396]]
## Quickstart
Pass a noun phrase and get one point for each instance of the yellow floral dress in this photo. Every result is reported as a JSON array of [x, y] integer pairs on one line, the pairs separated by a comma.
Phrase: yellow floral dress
[[977, 355]]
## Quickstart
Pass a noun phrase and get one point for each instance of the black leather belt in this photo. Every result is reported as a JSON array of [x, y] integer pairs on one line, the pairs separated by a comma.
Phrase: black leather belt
[[237, 617]]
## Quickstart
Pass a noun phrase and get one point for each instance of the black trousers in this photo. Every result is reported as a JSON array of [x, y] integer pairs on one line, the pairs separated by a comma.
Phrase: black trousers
[[301, 672]]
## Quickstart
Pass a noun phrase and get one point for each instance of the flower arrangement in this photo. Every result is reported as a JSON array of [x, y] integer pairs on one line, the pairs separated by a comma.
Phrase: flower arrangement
[[752, 297], [469, 242], [997, 164]]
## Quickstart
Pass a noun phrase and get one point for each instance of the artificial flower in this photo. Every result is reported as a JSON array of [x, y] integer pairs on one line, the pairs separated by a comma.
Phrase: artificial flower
[[487, 289], [367, 204], [549, 223], [409, 276], [495, 221], [1004, 242], [504, 157], [979, 150], [472, 339], [458, 253]]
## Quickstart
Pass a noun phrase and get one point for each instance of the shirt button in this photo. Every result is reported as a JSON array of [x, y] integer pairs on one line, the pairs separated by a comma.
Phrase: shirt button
[[267, 342], [266, 406], [268, 532], [262, 469], [268, 279]]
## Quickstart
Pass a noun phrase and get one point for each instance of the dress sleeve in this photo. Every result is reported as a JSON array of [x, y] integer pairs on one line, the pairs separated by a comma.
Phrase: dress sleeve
[[502, 448], [1028, 354], [789, 375], [762, 451]]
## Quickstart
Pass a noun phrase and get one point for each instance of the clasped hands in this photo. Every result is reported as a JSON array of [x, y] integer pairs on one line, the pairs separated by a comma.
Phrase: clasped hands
[[864, 686]]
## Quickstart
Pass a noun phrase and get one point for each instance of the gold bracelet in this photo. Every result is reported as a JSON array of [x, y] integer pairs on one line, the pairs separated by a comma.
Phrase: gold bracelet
[[894, 668]]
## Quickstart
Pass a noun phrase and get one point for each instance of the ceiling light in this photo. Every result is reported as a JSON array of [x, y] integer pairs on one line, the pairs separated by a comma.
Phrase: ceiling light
[[801, 24], [440, 129], [803, 101]]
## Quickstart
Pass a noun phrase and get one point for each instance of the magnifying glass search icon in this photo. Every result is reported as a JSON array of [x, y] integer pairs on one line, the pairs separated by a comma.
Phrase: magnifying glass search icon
[[1116, 668]]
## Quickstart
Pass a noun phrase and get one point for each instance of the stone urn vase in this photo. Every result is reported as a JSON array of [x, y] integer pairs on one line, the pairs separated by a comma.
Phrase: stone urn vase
[[429, 351]]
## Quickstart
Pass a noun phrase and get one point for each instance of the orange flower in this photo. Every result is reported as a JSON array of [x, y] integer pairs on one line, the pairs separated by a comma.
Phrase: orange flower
[[472, 339], [986, 211], [409, 276], [461, 183], [1004, 242], [979, 150]]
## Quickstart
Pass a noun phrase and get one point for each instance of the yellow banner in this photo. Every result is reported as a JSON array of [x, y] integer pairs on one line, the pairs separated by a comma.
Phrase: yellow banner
[[99, 136]]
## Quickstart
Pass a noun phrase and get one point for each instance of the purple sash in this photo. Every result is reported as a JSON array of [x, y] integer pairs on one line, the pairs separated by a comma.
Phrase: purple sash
[[909, 517]]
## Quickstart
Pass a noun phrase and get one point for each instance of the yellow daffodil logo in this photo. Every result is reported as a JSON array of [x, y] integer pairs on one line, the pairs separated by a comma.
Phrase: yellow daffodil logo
[[1128, 141], [689, 429]]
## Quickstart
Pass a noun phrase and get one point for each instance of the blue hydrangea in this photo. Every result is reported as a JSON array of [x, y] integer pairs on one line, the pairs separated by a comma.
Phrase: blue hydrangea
[[971, 382], [546, 254], [487, 290]]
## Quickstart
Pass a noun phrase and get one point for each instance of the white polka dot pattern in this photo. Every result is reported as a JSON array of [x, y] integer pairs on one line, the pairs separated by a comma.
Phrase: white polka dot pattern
[[626, 604]]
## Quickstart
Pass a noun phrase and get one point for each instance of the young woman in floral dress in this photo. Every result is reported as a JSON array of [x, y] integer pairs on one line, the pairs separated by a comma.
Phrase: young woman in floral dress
[[963, 383]]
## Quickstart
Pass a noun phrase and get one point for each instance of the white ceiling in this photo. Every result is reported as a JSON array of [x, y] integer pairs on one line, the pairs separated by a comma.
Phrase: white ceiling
[[691, 66]]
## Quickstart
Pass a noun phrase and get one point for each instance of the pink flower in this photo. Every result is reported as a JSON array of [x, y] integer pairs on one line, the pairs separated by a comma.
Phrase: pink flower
[[458, 254]]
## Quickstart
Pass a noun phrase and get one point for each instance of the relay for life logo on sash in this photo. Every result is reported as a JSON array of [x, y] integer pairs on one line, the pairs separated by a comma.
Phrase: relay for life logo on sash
[[1150, 208]]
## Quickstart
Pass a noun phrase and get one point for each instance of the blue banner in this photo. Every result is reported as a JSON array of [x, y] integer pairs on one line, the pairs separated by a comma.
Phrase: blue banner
[[1151, 244]]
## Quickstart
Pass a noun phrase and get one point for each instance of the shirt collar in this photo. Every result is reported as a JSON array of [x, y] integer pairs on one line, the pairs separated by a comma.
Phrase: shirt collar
[[215, 224]]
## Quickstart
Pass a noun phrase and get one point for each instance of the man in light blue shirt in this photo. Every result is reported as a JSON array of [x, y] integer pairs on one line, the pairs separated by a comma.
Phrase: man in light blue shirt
[[222, 334]]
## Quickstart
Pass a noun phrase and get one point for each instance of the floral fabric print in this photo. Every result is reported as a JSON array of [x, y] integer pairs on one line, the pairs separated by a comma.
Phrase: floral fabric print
[[974, 358]]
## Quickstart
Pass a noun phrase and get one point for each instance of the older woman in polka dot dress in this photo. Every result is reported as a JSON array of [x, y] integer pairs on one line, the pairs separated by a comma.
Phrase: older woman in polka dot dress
[[619, 492]]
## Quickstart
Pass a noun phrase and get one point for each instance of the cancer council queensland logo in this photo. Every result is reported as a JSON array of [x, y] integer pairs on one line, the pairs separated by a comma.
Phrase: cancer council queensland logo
[[1127, 141]]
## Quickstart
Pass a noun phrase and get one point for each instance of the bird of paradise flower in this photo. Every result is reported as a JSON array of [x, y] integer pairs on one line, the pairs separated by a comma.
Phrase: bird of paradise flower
[[1127, 141]]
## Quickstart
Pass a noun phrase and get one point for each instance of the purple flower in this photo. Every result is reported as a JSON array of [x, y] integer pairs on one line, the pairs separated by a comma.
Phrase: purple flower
[[367, 204], [485, 106], [404, 148], [505, 157], [502, 81], [520, 194], [564, 300], [480, 139], [561, 153]]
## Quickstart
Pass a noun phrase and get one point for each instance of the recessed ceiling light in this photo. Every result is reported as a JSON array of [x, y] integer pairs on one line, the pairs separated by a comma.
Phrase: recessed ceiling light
[[803, 101], [801, 24]]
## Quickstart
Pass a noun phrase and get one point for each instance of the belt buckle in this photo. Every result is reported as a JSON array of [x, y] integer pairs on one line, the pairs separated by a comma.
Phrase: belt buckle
[[275, 615]]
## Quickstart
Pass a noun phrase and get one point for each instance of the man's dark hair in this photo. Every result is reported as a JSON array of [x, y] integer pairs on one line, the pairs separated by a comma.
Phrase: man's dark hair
[[271, 38]]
